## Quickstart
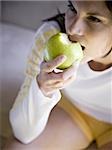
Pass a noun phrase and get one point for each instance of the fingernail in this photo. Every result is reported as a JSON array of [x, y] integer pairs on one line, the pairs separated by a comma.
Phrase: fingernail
[[63, 57]]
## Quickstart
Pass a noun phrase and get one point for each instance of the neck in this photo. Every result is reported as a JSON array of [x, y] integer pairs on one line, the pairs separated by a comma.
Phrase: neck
[[96, 66], [102, 63]]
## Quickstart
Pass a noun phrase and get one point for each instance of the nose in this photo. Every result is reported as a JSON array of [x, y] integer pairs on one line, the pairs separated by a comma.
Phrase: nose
[[77, 27]]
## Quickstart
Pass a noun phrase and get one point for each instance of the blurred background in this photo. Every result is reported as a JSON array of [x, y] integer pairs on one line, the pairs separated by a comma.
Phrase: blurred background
[[29, 14]]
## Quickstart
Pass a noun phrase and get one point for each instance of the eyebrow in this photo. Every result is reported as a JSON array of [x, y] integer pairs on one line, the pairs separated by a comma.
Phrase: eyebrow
[[96, 14]]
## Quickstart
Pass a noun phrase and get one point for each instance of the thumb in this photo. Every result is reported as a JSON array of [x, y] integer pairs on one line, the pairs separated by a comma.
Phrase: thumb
[[71, 71], [53, 64]]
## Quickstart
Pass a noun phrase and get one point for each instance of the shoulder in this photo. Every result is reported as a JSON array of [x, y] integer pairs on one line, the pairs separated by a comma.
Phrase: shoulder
[[46, 29], [35, 57]]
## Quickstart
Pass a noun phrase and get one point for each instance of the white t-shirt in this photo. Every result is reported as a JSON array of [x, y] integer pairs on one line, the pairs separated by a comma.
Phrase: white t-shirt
[[91, 92]]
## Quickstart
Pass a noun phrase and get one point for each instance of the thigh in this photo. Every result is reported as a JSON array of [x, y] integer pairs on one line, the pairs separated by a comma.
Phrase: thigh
[[61, 133]]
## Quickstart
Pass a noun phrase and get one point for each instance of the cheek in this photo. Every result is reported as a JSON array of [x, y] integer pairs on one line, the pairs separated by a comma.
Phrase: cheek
[[101, 40], [69, 18], [66, 23], [98, 47], [105, 42]]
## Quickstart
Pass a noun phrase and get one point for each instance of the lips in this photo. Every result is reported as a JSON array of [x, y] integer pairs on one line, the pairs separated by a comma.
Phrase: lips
[[75, 41]]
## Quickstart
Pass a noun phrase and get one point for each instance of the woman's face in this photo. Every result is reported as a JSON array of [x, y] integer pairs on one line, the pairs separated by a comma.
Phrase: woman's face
[[90, 24]]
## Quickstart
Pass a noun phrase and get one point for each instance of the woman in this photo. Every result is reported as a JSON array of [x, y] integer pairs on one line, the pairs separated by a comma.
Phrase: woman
[[83, 114]]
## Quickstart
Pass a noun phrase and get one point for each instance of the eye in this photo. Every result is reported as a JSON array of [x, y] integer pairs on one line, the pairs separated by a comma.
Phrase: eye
[[94, 19], [72, 8]]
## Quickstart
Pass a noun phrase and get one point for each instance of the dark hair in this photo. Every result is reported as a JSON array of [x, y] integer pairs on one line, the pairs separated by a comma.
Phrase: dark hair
[[109, 5], [60, 17]]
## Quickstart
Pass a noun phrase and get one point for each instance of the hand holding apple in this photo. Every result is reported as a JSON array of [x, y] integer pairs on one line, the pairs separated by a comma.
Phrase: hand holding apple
[[59, 44]]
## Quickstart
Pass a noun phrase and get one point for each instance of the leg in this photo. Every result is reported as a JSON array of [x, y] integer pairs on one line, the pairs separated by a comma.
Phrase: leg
[[61, 133]]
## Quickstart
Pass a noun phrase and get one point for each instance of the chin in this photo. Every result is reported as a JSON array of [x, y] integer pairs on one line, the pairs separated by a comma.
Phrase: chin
[[86, 60]]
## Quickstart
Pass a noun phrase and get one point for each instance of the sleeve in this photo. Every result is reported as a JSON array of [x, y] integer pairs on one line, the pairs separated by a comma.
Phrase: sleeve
[[30, 111]]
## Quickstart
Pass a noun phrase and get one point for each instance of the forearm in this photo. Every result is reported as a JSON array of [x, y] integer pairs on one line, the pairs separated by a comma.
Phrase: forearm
[[31, 109], [30, 113]]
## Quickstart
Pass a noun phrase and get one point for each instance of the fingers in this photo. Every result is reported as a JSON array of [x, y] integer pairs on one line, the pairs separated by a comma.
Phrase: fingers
[[59, 80], [59, 84], [71, 71], [52, 77], [50, 81], [53, 64]]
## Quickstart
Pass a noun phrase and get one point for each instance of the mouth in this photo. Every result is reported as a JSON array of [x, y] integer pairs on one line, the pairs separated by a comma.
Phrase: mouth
[[83, 47]]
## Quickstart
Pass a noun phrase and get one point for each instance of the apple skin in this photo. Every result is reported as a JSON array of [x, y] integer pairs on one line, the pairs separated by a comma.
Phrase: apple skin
[[59, 44]]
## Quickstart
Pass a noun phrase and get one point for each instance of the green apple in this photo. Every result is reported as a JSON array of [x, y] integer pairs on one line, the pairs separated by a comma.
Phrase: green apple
[[60, 44]]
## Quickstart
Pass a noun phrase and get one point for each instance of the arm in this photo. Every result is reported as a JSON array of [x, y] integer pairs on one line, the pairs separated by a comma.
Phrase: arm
[[29, 115], [31, 108], [33, 104]]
